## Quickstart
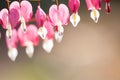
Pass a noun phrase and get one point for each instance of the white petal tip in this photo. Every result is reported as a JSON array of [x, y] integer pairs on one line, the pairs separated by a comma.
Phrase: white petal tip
[[12, 54], [58, 37], [30, 51], [48, 45], [42, 32], [75, 19], [95, 15]]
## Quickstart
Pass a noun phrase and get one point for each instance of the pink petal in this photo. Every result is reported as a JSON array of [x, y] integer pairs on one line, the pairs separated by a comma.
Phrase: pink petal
[[59, 15], [26, 10], [107, 1], [14, 17], [93, 4], [50, 31], [64, 14], [4, 17], [74, 5], [40, 17], [31, 34], [15, 4], [12, 42], [108, 9]]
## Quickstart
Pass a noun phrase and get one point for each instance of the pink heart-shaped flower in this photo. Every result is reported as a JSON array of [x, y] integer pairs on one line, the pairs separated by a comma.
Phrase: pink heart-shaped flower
[[59, 15]]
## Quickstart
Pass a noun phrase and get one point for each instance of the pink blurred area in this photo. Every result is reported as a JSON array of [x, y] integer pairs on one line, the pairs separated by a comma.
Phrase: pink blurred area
[[88, 52]]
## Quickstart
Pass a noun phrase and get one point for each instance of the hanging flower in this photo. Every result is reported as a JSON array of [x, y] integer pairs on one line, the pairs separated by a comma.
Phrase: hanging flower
[[94, 6], [48, 41], [12, 45], [9, 20], [25, 11], [29, 39], [59, 16], [107, 6], [40, 17], [74, 6]]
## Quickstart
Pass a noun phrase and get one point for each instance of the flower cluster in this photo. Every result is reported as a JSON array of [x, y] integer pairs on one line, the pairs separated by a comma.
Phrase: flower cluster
[[15, 20]]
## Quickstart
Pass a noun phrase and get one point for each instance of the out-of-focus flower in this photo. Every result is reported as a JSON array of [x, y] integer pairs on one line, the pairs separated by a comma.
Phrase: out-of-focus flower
[[94, 6], [9, 20], [48, 41], [12, 45], [59, 16], [40, 17], [107, 6], [25, 11], [29, 39], [74, 6]]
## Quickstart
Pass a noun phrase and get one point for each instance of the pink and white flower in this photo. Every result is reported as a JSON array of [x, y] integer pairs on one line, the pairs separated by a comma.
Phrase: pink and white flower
[[9, 20], [74, 6], [59, 16], [25, 11], [29, 39], [48, 41], [94, 6], [40, 17]]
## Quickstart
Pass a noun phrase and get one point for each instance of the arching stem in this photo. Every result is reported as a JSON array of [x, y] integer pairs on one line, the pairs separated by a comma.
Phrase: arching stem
[[57, 3]]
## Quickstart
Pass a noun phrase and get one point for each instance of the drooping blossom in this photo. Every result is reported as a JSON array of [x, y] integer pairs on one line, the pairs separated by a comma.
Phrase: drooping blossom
[[9, 20], [12, 45], [59, 16], [45, 30], [29, 39], [40, 17], [107, 6], [48, 41], [74, 6], [94, 6], [25, 11]]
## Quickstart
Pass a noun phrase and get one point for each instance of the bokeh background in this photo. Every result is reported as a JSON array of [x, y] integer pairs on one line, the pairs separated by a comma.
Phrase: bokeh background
[[88, 52]]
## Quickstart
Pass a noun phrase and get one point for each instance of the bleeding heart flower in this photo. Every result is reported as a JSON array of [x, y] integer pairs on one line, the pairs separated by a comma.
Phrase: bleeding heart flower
[[9, 20], [12, 45], [29, 39], [74, 6], [40, 17], [25, 11], [59, 15], [107, 6], [48, 41], [94, 6]]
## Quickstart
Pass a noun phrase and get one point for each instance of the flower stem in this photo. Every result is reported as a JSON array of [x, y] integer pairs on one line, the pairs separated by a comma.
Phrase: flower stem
[[38, 2], [8, 4], [57, 3]]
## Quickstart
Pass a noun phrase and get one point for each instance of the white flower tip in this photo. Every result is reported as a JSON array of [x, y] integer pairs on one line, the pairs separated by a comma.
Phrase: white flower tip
[[42, 32], [23, 24], [75, 19], [95, 15], [30, 51], [48, 45], [58, 37], [12, 54], [9, 33]]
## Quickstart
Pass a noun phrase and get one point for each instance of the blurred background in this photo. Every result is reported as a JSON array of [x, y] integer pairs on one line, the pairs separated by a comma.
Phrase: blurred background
[[88, 52]]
